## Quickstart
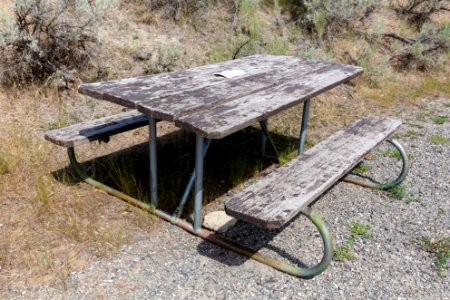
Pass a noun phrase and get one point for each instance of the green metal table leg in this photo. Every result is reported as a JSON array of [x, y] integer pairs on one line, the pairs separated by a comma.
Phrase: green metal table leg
[[153, 163], [305, 117]]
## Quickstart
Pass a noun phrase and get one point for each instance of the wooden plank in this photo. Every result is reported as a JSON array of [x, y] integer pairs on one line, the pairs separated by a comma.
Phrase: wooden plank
[[200, 99], [87, 132], [131, 91], [275, 199], [218, 121]]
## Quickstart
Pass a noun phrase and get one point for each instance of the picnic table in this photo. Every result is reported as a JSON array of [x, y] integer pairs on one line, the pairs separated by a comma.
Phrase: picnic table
[[217, 100], [213, 106]]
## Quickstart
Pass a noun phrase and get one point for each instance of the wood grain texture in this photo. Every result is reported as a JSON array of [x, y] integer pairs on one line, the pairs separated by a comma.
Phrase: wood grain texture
[[215, 107], [275, 199], [130, 92], [200, 99], [226, 117], [87, 132]]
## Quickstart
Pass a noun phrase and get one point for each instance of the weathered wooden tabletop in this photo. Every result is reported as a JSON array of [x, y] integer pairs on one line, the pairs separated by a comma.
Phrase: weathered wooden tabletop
[[214, 106]]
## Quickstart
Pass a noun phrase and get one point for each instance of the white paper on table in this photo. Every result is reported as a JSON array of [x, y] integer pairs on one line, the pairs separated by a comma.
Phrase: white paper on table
[[230, 73]]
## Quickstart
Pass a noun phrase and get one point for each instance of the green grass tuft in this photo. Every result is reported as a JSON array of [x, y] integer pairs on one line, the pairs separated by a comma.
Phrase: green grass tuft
[[361, 168], [344, 251], [397, 192], [440, 249], [440, 120], [358, 229], [393, 153], [438, 140], [400, 192]]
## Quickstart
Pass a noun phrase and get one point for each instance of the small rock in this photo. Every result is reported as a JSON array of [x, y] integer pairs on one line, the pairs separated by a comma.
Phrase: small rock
[[219, 221]]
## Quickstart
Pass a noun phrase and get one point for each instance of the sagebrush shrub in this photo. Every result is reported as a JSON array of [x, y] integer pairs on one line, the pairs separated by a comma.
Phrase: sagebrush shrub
[[418, 12], [176, 9], [425, 52], [167, 59], [327, 17], [48, 39]]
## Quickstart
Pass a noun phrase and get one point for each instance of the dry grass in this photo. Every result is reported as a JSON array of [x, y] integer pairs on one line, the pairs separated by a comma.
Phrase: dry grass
[[47, 227], [408, 89]]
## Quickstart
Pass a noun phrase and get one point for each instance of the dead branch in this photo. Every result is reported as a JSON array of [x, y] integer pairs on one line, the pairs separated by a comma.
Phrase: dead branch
[[405, 40], [236, 53]]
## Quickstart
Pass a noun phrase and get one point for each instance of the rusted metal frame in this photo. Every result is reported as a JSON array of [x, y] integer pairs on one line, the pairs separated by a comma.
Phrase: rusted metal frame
[[383, 186], [305, 117], [267, 137], [216, 239], [190, 184]]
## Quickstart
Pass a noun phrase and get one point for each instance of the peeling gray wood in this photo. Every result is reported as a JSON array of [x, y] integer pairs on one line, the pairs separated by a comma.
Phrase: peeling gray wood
[[131, 91], [87, 132], [278, 197], [201, 99], [218, 121], [215, 107]]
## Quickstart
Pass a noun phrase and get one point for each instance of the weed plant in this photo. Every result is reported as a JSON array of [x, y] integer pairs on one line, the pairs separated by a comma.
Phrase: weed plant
[[397, 192], [440, 248], [361, 168], [345, 251], [440, 120], [393, 153]]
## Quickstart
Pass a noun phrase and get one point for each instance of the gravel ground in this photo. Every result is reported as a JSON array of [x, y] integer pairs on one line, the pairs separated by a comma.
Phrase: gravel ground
[[168, 263]]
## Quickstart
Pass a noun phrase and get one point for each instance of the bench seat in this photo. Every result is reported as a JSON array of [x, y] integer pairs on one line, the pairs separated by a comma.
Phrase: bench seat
[[275, 199], [99, 129]]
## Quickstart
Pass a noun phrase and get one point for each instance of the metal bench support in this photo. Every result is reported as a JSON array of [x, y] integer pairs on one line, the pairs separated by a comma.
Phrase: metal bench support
[[196, 229], [383, 186], [190, 184], [302, 137], [214, 238], [305, 117], [267, 137]]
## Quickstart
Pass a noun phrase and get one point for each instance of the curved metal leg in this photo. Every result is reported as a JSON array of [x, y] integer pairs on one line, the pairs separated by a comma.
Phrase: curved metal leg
[[328, 248], [212, 237], [383, 186]]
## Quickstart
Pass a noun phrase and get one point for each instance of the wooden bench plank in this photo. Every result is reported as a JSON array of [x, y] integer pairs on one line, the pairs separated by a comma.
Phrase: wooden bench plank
[[228, 117], [131, 91], [278, 197], [87, 132], [202, 98]]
